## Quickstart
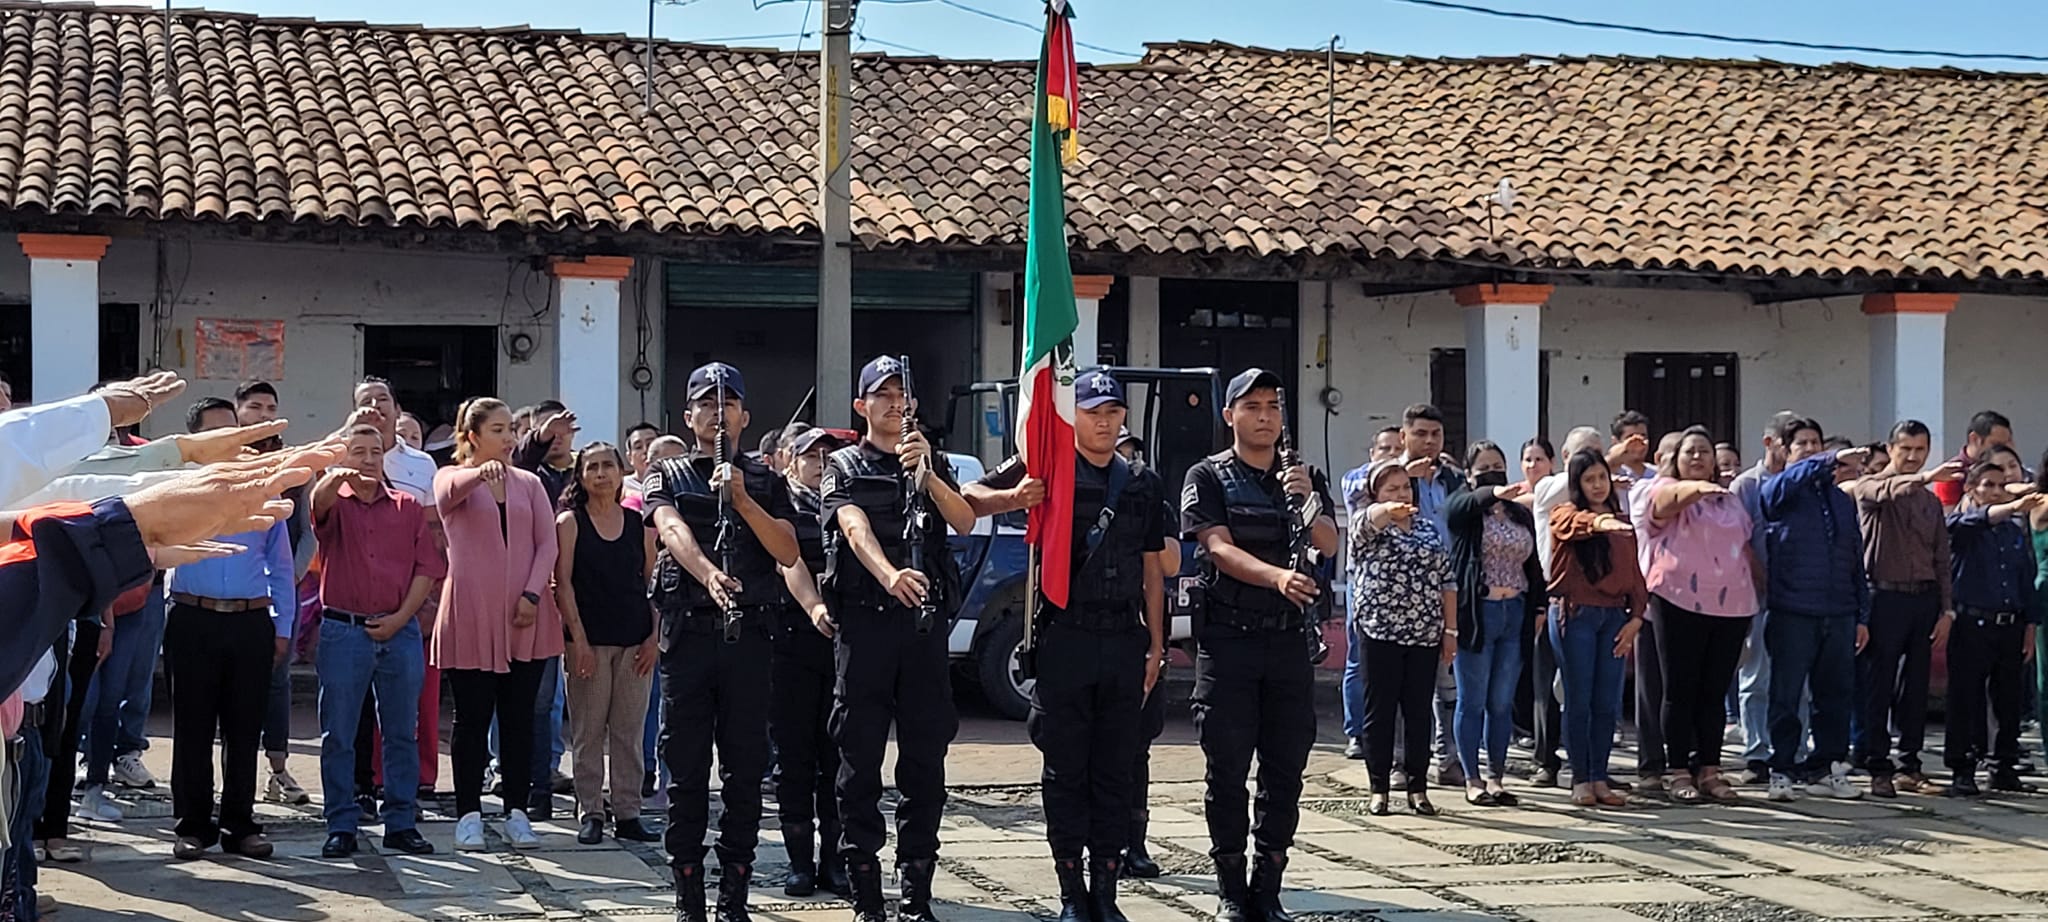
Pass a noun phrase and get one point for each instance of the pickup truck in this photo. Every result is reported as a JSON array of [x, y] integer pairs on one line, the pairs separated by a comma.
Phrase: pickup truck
[[1174, 411]]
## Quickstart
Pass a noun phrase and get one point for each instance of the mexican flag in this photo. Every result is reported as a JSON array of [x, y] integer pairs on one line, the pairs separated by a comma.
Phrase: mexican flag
[[1045, 391]]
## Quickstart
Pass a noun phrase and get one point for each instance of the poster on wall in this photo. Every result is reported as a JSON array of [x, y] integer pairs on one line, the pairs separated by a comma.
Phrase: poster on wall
[[233, 349]]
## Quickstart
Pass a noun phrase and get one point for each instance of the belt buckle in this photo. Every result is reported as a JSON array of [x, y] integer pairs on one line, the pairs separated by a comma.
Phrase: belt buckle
[[2005, 618]]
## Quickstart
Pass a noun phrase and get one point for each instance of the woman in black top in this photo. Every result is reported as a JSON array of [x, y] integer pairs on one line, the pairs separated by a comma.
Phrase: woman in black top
[[601, 588]]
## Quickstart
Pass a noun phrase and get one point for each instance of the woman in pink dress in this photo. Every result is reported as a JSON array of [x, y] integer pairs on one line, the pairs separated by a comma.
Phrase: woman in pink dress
[[497, 624]]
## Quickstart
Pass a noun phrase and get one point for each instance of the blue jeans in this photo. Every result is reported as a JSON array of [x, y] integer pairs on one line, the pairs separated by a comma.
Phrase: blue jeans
[[19, 865], [1592, 686], [350, 664], [1354, 684], [656, 768], [1813, 657], [1486, 687], [547, 725], [117, 702]]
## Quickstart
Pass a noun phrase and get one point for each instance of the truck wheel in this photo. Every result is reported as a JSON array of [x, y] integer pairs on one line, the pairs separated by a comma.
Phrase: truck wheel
[[1001, 680]]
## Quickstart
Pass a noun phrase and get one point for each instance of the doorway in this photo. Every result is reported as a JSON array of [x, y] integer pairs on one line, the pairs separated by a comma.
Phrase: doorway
[[433, 369], [1231, 326], [1447, 394], [120, 355], [1680, 389]]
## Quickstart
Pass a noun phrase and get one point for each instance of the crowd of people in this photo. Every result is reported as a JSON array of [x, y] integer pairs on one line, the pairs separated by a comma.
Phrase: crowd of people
[[1801, 600], [639, 609]]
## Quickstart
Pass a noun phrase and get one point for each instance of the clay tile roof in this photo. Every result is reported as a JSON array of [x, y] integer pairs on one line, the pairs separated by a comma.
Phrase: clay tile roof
[[1693, 165]]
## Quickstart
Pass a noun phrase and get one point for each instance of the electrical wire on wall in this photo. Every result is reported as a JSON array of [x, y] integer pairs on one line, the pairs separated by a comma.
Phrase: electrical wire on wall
[[643, 373]]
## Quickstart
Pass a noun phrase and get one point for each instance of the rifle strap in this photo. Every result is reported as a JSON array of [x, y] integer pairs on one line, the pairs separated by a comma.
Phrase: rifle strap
[[1119, 478]]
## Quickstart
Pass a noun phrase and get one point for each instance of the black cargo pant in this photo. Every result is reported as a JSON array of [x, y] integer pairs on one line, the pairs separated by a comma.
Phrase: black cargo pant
[[1985, 656], [1254, 694], [1891, 678], [1151, 723], [806, 758], [1085, 712], [715, 693], [888, 673]]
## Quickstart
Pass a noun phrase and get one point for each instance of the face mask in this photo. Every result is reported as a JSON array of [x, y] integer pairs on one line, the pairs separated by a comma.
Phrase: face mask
[[1490, 479]]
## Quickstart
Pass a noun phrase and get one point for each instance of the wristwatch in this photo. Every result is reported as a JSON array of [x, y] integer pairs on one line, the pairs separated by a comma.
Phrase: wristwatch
[[533, 597]]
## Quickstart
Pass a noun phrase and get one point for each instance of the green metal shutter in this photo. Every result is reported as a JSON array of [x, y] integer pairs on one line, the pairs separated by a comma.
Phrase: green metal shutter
[[695, 285]]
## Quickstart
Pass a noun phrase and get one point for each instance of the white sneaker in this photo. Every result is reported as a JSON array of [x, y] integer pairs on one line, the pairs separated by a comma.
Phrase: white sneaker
[[284, 789], [129, 772], [93, 804], [469, 833], [519, 832], [1836, 784], [1782, 789]]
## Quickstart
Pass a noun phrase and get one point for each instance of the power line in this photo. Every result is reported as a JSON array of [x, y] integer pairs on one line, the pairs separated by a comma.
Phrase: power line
[[863, 36], [1035, 27], [1710, 36], [772, 36]]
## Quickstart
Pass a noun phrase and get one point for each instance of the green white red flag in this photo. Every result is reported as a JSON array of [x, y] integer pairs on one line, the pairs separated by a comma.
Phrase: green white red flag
[[1045, 391]]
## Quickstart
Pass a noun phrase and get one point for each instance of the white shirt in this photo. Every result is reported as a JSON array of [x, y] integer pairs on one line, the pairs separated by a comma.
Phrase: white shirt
[[1551, 492], [37, 686], [40, 443], [412, 471]]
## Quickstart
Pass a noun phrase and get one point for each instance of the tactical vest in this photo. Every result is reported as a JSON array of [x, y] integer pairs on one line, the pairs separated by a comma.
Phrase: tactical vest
[[880, 492], [810, 532], [696, 501], [1113, 576], [1258, 526]]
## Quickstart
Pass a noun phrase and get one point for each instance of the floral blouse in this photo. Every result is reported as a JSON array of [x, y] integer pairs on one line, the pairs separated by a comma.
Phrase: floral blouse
[[1398, 578]]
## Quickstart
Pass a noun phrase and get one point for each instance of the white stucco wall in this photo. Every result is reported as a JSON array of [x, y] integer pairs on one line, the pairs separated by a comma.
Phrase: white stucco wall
[[323, 294], [1813, 356]]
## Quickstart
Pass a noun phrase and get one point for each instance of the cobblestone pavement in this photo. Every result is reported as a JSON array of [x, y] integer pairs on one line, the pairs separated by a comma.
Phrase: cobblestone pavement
[[1926, 858]]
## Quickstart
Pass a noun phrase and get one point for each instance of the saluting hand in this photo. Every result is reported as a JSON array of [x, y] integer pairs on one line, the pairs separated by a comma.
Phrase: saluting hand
[[493, 472], [1507, 493], [1947, 472], [1421, 467], [1612, 525]]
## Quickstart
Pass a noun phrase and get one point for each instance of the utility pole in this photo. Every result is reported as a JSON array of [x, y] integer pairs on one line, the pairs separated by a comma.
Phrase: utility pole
[[835, 218]]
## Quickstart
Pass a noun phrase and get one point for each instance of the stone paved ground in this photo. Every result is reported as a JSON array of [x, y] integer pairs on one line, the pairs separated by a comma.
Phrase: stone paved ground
[[1914, 858]]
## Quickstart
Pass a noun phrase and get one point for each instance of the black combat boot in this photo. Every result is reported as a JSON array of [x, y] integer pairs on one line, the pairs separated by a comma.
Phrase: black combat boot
[[733, 879], [1102, 877], [865, 876], [803, 865], [916, 904], [1138, 863], [1265, 888], [832, 876], [1073, 890], [1233, 898], [689, 893]]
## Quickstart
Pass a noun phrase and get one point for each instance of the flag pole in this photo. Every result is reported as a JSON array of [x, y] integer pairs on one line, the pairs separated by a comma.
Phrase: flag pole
[[1027, 650]]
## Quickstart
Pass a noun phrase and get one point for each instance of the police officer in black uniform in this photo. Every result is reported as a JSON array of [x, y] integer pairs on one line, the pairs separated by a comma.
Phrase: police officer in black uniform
[[891, 624], [806, 759], [1098, 657], [1254, 684], [716, 637], [1138, 861]]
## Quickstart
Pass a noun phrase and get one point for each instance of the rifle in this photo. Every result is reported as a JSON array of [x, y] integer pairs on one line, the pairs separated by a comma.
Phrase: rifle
[[1302, 556], [727, 535], [917, 512]]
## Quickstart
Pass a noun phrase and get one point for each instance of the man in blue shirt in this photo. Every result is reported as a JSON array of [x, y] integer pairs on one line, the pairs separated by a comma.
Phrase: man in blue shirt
[[230, 623], [1992, 564]]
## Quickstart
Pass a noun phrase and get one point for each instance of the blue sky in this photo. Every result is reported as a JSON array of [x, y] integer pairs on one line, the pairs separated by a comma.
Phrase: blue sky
[[1365, 25]]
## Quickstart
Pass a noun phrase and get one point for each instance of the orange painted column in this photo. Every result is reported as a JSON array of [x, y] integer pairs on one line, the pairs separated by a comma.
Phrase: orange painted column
[[1503, 361], [64, 314], [1908, 359]]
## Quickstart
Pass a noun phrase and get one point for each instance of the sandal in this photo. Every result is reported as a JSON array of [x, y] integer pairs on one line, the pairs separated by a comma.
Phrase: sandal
[[1683, 790], [1506, 799], [1611, 799], [1584, 800], [1480, 797], [1377, 805], [1720, 790], [1421, 805]]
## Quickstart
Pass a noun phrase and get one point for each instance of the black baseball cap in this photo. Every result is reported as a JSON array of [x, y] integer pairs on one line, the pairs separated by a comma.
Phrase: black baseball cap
[[877, 372], [810, 438], [709, 378], [1096, 387], [1248, 380]]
